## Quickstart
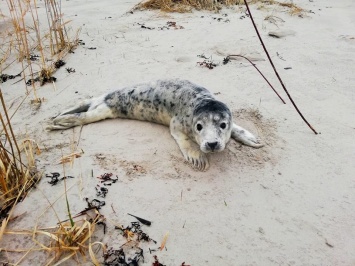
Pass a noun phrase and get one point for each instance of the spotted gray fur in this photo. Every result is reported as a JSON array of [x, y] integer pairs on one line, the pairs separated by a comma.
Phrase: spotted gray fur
[[199, 123]]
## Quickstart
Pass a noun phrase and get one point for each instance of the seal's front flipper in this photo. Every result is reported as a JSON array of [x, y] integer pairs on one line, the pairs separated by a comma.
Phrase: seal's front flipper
[[245, 137], [190, 149]]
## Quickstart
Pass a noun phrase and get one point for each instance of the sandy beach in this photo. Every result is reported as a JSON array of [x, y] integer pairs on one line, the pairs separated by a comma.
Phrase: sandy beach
[[291, 202]]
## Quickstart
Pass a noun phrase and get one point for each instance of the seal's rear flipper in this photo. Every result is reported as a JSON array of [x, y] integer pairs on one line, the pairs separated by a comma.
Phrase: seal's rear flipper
[[245, 137], [70, 118], [82, 107], [79, 108]]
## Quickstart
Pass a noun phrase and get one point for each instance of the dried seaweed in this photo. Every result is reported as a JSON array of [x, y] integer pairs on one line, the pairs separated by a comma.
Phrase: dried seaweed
[[5, 77], [55, 178]]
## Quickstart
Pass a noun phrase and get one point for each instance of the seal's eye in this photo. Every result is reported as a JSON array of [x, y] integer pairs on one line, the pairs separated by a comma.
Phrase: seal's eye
[[223, 125], [199, 127]]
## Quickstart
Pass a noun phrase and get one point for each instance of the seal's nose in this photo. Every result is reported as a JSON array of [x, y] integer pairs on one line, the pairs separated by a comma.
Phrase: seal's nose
[[212, 145]]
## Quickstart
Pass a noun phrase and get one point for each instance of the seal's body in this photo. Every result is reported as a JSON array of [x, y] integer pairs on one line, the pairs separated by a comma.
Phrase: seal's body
[[198, 122]]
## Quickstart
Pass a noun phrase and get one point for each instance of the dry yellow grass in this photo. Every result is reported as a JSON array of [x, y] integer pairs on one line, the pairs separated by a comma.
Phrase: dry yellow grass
[[182, 6], [67, 240], [17, 176], [25, 37]]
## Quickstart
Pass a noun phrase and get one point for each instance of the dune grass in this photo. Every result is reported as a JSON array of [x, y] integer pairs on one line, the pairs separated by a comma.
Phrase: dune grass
[[18, 173], [33, 42], [183, 6]]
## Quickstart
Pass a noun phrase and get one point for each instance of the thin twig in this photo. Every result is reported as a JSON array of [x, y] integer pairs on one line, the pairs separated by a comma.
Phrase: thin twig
[[277, 74], [259, 73], [81, 129]]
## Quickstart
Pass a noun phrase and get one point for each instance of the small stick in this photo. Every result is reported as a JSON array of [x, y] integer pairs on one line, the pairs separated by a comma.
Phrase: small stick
[[163, 243], [259, 73], [113, 208], [277, 74]]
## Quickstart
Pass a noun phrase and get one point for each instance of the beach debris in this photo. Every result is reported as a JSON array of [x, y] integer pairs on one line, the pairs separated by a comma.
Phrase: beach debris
[[231, 56], [281, 33], [101, 191], [66, 236], [132, 168], [143, 221], [114, 257], [226, 60], [128, 254], [5, 77], [328, 244], [107, 179], [249, 52], [94, 204], [55, 178], [99, 219], [210, 64], [70, 70], [163, 243], [42, 81], [274, 19], [59, 63], [183, 264], [83, 212], [171, 25], [207, 61], [246, 15], [347, 38], [156, 261], [138, 255], [279, 56], [118, 257], [221, 19], [33, 57], [101, 222], [135, 231], [145, 27], [273, 66], [203, 56], [70, 157], [45, 75]]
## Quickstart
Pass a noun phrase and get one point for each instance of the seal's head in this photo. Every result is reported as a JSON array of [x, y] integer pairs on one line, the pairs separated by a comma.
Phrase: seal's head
[[212, 125]]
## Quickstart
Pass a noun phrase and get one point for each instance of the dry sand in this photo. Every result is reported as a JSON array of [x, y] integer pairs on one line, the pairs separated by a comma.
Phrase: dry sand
[[289, 203]]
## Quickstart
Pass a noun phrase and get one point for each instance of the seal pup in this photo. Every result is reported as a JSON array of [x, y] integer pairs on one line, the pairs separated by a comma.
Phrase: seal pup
[[198, 122]]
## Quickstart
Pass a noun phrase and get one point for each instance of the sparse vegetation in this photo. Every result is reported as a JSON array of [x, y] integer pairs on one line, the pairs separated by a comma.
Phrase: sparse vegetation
[[37, 44], [17, 175], [187, 5]]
